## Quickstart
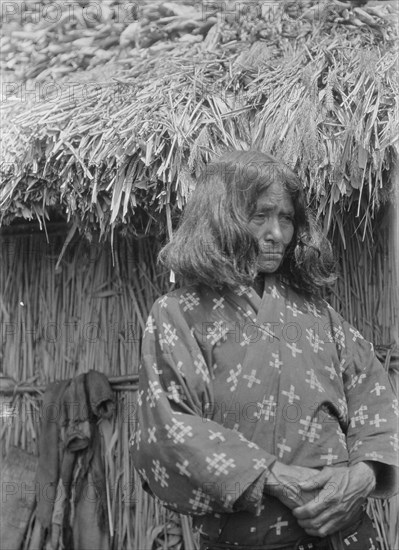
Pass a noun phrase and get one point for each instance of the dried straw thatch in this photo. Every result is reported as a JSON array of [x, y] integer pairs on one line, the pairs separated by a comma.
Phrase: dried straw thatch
[[311, 82]]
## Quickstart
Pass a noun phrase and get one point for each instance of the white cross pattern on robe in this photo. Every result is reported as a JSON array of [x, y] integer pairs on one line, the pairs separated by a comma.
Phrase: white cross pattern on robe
[[169, 335], [314, 340], [359, 416], [190, 300], [394, 442], [241, 290], [150, 326], [275, 293], [250, 444], [283, 447], [259, 463], [377, 420], [313, 381], [377, 389], [259, 508], [217, 332], [169, 504], [312, 309], [174, 392], [179, 367], [249, 314], [294, 309], [183, 468], [155, 369], [278, 525], [151, 435], [215, 435], [294, 349], [357, 444], [343, 408], [329, 457], [356, 334], [201, 501], [162, 301], [374, 456], [275, 362], [160, 473], [328, 334], [342, 438], [310, 429], [351, 538], [218, 303], [201, 368], [143, 474], [268, 330], [234, 377], [355, 380], [219, 464], [291, 395], [395, 406], [137, 438], [339, 336], [342, 365], [153, 392], [267, 408], [245, 340], [179, 431], [251, 378], [140, 397], [332, 372], [228, 498]]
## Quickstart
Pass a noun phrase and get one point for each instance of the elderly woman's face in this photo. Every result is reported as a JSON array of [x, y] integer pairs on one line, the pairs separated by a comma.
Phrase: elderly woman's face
[[272, 224]]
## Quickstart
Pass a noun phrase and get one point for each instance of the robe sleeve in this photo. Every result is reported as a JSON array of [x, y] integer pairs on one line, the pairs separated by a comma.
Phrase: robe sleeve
[[191, 463], [372, 433]]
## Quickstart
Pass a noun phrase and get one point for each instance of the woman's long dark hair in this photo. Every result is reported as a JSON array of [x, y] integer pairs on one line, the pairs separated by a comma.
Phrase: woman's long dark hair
[[213, 245]]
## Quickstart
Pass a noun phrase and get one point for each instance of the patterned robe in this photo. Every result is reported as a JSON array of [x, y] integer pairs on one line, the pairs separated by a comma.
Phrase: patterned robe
[[231, 382]]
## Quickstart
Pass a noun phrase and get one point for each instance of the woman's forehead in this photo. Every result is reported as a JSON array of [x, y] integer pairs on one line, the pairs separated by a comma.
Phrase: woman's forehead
[[275, 195]]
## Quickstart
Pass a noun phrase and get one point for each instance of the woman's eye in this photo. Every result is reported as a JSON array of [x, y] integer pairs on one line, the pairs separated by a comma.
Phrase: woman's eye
[[258, 220]]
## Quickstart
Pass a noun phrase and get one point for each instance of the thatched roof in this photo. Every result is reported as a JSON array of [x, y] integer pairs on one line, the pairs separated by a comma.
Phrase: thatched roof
[[118, 141]]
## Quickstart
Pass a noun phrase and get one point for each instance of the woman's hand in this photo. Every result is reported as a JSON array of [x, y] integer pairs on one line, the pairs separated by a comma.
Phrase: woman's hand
[[340, 494], [284, 483]]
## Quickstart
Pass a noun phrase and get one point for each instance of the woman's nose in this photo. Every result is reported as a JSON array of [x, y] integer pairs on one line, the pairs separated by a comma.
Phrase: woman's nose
[[272, 231]]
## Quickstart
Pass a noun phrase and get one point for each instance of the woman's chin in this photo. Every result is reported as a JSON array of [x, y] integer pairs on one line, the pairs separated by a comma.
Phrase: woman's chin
[[268, 266]]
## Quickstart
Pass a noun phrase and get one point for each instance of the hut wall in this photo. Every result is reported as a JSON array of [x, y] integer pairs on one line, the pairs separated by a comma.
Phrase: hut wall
[[89, 313], [366, 292], [59, 322]]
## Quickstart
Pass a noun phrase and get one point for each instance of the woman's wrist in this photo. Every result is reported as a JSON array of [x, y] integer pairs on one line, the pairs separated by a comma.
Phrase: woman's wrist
[[367, 470]]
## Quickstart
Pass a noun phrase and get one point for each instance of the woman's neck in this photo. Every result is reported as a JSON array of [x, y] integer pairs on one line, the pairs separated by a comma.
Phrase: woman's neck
[[259, 284]]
